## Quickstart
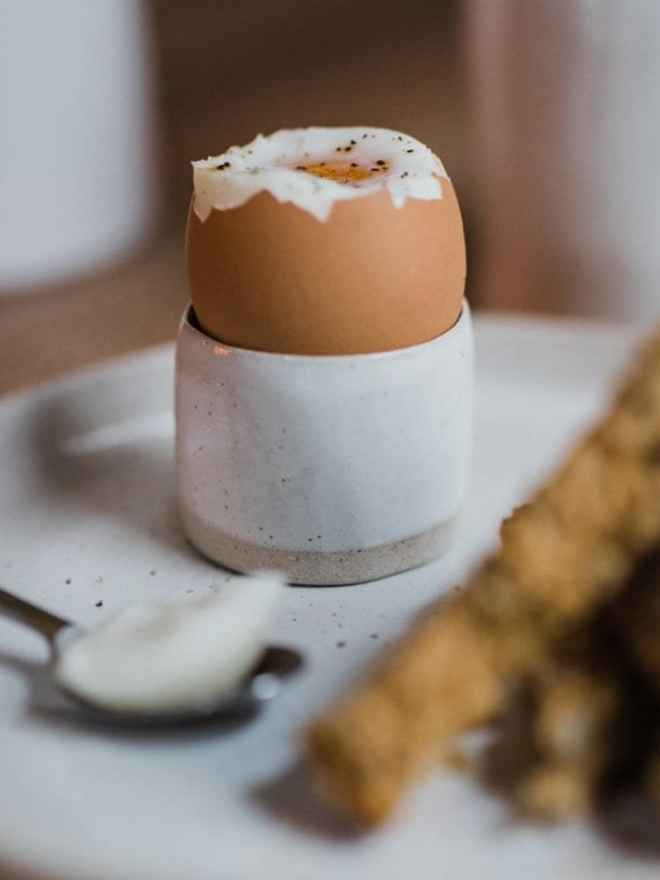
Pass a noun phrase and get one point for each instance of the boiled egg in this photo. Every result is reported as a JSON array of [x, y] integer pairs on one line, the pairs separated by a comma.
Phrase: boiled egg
[[325, 241]]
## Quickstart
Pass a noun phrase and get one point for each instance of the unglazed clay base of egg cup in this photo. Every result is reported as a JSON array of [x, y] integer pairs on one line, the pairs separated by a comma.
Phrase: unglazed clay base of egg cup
[[330, 469]]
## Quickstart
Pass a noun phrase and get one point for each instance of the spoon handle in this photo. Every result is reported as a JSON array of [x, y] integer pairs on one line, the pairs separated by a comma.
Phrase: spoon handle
[[31, 615]]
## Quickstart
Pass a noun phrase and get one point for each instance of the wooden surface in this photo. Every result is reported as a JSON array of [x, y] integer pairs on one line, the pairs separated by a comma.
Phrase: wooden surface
[[50, 333]]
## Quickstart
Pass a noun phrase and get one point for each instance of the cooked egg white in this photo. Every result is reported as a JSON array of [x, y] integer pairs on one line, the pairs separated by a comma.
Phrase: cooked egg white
[[314, 168], [173, 656], [325, 241]]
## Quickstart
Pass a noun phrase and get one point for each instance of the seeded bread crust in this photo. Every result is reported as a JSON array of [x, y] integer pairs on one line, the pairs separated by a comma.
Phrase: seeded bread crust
[[564, 557]]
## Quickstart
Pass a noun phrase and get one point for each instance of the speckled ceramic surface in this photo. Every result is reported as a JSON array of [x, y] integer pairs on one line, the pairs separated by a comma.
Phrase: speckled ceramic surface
[[333, 470], [88, 516]]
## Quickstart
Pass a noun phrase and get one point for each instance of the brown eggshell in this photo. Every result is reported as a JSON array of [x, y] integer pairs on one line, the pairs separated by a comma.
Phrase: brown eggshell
[[271, 277]]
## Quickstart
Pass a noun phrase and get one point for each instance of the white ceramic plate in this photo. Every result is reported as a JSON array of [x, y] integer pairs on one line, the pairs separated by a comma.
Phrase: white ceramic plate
[[87, 516]]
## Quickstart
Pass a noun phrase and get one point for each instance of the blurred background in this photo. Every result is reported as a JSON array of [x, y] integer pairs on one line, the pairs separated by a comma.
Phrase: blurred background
[[111, 106], [214, 74], [228, 72]]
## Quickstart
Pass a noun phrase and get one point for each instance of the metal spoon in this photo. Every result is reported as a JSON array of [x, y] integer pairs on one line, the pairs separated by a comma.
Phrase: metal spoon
[[261, 685]]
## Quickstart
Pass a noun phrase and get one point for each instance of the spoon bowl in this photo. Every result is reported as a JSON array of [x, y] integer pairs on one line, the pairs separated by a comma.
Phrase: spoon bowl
[[261, 684]]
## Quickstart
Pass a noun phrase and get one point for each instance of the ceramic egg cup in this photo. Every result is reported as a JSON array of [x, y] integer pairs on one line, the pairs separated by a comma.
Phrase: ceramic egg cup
[[329, 469]]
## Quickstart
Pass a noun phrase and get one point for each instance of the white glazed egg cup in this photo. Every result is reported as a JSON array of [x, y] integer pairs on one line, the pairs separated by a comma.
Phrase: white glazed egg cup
[[329, 469]]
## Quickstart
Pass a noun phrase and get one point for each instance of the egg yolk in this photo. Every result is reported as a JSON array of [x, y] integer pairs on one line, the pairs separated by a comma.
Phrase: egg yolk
[[343, 172]]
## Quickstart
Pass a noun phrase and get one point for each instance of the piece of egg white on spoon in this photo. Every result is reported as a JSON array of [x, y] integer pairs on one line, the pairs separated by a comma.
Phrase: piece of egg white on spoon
[[173, 656]]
